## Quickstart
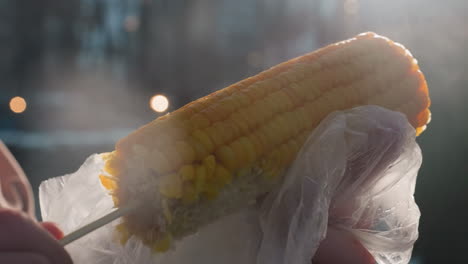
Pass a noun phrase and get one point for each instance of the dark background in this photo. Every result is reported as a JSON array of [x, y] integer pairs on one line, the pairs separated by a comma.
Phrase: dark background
[[87, 69]]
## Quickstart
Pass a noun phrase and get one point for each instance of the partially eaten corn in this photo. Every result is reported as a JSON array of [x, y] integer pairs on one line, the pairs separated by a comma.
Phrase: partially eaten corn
[[221, 152]]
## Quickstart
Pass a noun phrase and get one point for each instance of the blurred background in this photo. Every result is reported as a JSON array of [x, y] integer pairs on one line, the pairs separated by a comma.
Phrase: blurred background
[[77, 75]]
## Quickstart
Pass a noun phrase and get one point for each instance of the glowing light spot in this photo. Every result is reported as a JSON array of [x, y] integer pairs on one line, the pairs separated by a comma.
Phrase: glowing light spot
[[18, 105], [159, 103]]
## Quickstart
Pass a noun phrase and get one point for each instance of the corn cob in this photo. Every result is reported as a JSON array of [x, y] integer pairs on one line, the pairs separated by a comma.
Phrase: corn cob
[[221, 152]]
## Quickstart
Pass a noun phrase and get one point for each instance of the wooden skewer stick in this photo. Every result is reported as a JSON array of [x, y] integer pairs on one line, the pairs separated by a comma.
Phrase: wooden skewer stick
[[82, 231]]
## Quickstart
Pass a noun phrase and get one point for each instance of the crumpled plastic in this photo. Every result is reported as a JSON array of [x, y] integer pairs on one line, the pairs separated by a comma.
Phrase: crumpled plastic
[[355, 173]]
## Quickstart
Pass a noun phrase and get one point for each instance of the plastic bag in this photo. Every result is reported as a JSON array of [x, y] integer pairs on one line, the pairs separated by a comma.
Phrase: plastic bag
[[356, 173]]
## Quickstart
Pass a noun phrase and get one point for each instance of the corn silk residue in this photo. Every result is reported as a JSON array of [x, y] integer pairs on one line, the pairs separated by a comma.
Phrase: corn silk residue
[[356, 172]]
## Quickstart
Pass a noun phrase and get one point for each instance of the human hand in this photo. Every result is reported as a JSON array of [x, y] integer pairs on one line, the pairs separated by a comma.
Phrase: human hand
[[381, 168], [22, 239], [15, 190], [341, 247]]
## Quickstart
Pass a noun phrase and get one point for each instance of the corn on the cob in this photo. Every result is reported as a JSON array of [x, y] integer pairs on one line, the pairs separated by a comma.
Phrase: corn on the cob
[[221, 152]]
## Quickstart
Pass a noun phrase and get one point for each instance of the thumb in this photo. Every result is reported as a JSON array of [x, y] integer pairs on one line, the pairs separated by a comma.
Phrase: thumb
[[340, 246]]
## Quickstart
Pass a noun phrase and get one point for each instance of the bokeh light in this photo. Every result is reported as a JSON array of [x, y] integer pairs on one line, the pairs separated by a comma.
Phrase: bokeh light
[[18, 104], [159, 103]]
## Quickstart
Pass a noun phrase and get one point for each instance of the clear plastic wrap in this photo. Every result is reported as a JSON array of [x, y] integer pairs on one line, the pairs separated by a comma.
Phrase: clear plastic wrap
[[356, 173]]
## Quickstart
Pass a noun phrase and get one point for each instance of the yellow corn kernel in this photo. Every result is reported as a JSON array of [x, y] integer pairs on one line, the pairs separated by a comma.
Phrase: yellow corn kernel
[[186, 152], [267, 136], [298, 121], [171, 186], [210, 164], [256, 91], [312, 89], [108, 182], [231, 103], [260, 136], [227, 157], [214, 114], [227, 104], [239, 153], [250, 153], [303, 115], [123, 233], [256, 143], [230, 131], [200, 151], [163, 244], [107, 156], [112, 166], [284, 100], [222, 174], [293, 97], [204, 139], [291, 76], [215, 134], [190, 194], [177, 129], [271, 104], [299, 90], [241, 122], [290, 121], [283, 127], [243, 99], [200, 178], [187, 173], [282, 79], [173, 157], [115, 200], [275, 157], [271, 85], [264, 110], [275, 130], [285, 154], [258, 114], [199, 121], [248, 116]]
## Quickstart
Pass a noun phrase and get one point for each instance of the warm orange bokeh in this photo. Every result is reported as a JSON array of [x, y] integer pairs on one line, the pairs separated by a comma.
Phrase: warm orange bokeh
[[18, 104]]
